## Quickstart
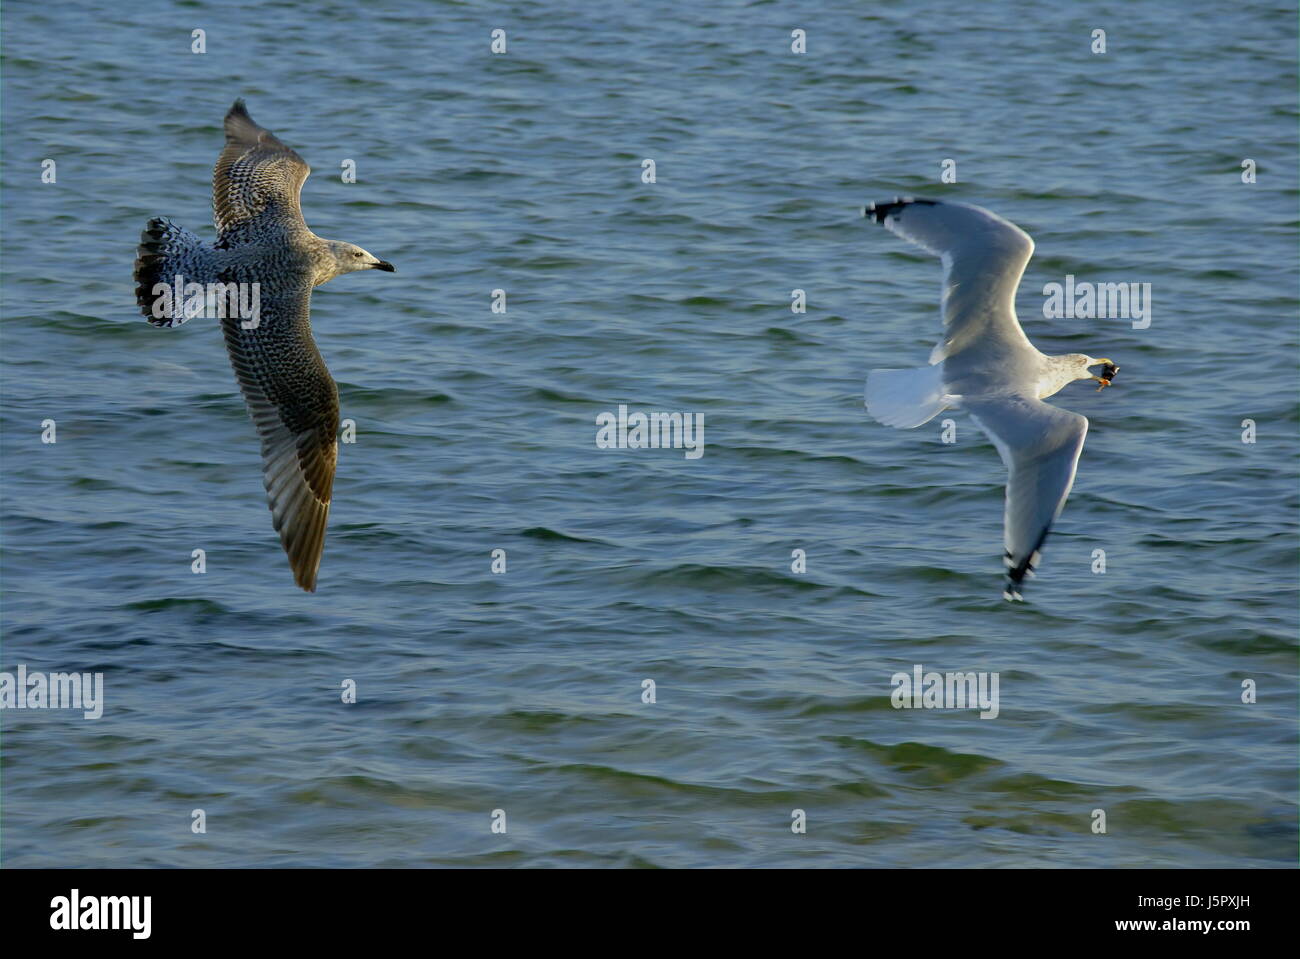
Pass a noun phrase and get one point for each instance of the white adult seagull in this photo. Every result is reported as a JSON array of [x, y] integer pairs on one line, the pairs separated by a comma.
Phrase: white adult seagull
[[986, 365]]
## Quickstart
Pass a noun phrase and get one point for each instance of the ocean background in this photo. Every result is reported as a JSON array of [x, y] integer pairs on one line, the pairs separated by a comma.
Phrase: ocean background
[[475, 431]]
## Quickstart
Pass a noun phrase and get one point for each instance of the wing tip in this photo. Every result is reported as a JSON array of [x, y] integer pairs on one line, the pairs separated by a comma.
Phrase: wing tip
[[239, 124], [305, 555], [303, 541], [880, 211], [239, 111], [1018, 572], [298, 495]]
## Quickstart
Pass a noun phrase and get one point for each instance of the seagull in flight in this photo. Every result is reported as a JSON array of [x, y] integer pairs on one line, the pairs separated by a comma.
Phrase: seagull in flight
[[986, 365], [265, 258]]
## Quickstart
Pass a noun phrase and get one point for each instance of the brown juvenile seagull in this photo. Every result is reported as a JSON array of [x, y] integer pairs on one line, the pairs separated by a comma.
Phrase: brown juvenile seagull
[[263, 266]]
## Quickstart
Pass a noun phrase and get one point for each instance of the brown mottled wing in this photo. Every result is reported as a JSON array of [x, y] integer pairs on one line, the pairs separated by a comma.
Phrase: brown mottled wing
[[294, 405], [256, 183]]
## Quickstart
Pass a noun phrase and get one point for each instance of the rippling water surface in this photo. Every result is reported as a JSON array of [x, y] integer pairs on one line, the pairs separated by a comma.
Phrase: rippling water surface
[[476, 431]]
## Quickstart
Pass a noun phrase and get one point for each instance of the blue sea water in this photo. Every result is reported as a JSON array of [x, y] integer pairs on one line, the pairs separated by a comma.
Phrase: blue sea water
[[475, 431]]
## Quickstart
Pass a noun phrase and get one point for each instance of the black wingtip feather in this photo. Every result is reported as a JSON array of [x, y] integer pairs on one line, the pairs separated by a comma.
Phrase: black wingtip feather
[[1016, 574], [879, 211]]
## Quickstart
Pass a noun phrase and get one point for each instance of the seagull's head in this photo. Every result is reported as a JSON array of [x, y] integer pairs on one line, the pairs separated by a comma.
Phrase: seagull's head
[[348, 258], [1108, 369]]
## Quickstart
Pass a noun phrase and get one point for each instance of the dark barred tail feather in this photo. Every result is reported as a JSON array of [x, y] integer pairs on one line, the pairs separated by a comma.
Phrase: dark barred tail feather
[[167, 251]]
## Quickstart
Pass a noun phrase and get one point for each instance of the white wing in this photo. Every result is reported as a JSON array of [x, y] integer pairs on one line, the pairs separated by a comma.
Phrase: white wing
[[1040, 446], [983, 257]]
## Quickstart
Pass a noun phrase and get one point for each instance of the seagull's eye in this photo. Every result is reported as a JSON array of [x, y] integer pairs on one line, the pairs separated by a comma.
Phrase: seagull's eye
[[356, 254]]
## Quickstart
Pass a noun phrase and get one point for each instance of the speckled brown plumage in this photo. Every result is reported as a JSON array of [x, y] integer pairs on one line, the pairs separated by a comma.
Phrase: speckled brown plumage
[[262, 239]]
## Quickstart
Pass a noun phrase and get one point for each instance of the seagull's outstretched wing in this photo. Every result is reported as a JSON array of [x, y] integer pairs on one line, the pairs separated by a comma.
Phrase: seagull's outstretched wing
[[1040, 445], [294, 404], [983, 258], [256, 183]]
